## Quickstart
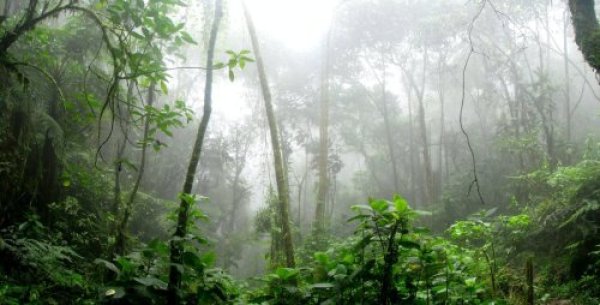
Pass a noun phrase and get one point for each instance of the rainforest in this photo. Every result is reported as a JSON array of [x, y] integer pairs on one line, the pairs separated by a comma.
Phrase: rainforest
[[283, 152]]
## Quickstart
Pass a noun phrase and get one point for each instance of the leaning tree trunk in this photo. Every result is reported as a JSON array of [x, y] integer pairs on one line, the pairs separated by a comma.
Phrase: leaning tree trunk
[[283, 195], [587, 30], [184, 206], [120, 239], [120, 152]]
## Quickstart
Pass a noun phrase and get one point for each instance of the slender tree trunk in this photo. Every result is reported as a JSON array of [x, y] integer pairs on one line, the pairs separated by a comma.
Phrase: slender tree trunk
[[426, 154], [420, 92], [48, 188], [425, 143], [389, 293], [232, 215], [388, 133], [120, 239], [518, 113], [332, 195], [306, 178], [530, 287], [299, 198], [236, 198], [283, 195], [411, 148], [119, 157], [370, 167], [548, 133], [323, 186], [442, 138], [118, 167], [182, 217], [567, 108]]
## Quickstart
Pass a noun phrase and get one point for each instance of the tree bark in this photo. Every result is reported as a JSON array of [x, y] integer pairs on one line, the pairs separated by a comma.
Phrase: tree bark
[[567, 110], [420, 92], [182, 217], [283, 196], [389, 293], [50, 165], [530, 287], [425, 143], [388, 133], [120, 152], [323, 186], [442, 136], [120, 240], [587, 30]]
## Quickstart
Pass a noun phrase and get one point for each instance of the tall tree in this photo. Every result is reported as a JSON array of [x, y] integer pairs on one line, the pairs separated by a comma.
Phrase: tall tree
[[587, 30], [567, 108], [419, 90], [283, 195], [184, 205], [323, 186], [120, 240]]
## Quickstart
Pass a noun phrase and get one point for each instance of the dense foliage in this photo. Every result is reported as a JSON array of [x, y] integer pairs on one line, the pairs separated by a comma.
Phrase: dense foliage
[[499, 205]]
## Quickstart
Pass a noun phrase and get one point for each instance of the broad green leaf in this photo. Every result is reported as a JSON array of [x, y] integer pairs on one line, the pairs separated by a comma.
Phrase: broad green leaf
[[187, 38], [360, 216], [359, 207], [379, 205], [286, 273], [423, 213], [110, 266], [323, 285], [409, 244], [208, 258], [400, 204], [150, 281]]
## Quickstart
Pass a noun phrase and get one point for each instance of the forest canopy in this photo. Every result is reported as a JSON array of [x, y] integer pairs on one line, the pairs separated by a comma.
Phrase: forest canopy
[[438, 152]]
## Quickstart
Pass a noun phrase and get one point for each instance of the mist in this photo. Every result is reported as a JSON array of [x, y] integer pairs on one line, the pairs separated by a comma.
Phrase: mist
[[299, 152]]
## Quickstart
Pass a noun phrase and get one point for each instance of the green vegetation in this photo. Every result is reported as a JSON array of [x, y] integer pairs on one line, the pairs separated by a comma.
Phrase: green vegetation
[[480, 186]]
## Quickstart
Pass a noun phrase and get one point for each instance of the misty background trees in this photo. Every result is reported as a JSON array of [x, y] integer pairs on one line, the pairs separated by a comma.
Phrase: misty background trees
[[165, 151]]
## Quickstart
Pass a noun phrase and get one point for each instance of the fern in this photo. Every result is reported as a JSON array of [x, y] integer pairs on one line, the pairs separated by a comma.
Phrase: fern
[[580, 211], [47, 126]]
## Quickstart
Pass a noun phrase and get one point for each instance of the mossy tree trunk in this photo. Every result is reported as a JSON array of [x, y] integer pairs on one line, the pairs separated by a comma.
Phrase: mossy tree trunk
[[323, 186], [283, 195], [587, 30]]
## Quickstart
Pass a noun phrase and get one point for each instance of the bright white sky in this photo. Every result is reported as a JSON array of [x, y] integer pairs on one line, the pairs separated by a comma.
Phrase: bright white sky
[[299, 24]]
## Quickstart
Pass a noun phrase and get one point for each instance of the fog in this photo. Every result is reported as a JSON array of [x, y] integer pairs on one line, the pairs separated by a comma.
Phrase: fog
[[456, 106], [518, 57]]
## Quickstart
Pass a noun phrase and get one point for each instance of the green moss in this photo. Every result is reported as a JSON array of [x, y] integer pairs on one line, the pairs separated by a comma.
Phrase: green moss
[[590, 47], [587, 30]]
